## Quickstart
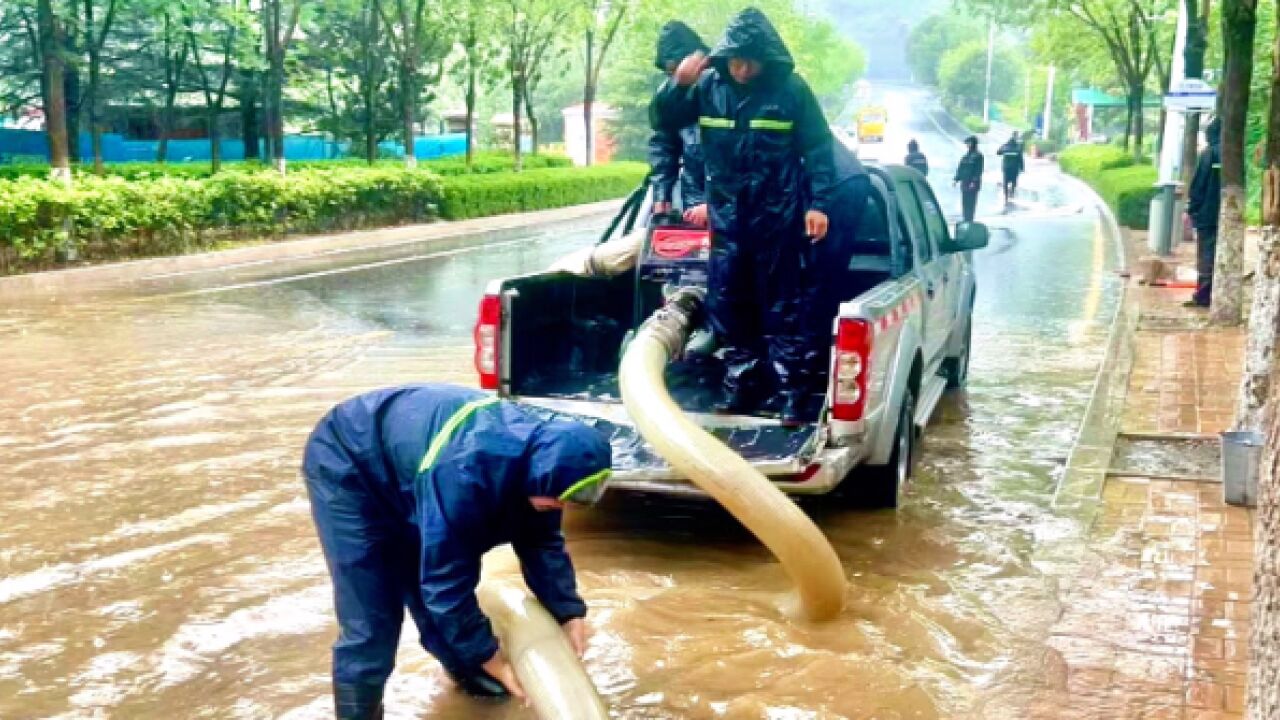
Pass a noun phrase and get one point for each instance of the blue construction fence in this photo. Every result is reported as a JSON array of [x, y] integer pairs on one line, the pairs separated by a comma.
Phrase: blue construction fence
[[30, 144]]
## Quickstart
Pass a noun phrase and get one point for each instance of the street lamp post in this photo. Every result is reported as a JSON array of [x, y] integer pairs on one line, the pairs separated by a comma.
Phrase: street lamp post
[[986, 97]]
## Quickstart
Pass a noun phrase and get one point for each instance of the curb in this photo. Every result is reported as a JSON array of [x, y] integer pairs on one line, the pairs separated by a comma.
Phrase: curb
[[288, 256], [1089, 461]]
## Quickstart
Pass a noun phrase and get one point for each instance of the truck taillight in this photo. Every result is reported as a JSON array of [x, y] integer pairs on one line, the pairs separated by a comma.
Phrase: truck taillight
[[851, 367], [487, 336]]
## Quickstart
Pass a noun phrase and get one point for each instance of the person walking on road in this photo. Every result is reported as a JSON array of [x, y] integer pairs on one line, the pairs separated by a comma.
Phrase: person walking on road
[[916, 159], [1204, 200], [768, 152], [409, 486], [969, 177], [1012, 163], [675, 157]]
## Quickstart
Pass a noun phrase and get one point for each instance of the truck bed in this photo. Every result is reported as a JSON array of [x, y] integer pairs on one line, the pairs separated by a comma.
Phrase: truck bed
[[766, 444]]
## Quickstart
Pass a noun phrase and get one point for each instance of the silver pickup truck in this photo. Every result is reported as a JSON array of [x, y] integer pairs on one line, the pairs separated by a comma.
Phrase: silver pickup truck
[[554, 340]]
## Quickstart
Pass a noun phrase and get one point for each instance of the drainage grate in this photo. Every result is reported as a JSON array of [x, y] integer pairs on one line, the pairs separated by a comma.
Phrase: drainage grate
[[1168, 457]]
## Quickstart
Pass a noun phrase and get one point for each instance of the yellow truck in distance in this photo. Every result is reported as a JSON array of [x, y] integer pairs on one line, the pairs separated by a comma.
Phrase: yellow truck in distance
[[871, 121]]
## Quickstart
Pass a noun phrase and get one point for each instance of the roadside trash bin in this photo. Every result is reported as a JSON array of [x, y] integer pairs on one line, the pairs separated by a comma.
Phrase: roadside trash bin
[[1241, 455]]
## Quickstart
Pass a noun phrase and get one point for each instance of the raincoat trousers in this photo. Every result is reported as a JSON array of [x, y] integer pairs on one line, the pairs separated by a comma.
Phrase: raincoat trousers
[[409, 486], [675, 156], [768, 153]]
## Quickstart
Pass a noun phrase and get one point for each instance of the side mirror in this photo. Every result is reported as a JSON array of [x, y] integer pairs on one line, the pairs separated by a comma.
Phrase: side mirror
[[969, 236]]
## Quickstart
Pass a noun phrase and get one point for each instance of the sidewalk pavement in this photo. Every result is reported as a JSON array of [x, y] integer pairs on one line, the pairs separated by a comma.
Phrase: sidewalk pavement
[[1156, 623]]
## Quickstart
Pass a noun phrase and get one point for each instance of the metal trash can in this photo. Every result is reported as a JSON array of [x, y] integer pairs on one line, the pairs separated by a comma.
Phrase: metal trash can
[[1241, 455]]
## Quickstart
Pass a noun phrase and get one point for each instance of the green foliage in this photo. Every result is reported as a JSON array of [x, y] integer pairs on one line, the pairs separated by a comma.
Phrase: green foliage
[[494, 161], [963, 74], [114, 217], [1086, 161], [974, 124], [1125, 186], [933, 37], [483, 195]]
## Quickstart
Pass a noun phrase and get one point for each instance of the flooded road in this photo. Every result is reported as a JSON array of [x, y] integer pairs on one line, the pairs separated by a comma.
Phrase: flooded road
[[157, 557]]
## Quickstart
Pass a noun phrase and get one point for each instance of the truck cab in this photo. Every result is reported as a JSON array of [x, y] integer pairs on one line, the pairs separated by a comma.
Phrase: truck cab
[[553, 340]]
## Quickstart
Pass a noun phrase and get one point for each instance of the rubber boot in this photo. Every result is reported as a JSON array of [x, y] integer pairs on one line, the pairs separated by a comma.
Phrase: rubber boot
[[480, 684], [357, 702]]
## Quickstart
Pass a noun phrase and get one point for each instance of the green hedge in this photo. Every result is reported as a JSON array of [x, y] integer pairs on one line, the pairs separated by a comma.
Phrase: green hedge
[[1124, 185], [974, 124], [111, 217], [486, 162], [1085, 161], [483, 195]]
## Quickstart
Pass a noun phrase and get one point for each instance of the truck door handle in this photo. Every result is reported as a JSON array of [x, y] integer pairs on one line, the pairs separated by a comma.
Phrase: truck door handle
[[929, 290], [946, 278]]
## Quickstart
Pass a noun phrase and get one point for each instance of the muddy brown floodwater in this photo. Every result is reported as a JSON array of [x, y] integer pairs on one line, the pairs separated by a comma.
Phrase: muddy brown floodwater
[[157, 558]]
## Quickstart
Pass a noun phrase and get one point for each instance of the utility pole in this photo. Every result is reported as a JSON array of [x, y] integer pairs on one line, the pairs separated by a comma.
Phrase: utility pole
[[1048, 100], [991, 49]]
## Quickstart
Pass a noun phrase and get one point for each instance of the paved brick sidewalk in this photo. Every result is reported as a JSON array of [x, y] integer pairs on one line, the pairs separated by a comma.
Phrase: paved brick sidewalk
[[1156, 623]]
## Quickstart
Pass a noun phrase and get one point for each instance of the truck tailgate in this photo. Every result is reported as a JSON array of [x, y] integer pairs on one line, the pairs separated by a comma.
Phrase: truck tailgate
[[769, 447]]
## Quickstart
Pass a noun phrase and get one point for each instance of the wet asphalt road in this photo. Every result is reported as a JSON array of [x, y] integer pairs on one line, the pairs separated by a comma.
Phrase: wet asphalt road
[[157, 557]]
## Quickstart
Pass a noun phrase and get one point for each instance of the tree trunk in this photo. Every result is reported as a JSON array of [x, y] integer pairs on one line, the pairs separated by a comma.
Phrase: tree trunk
[[1128, 121], [1264, 641], [249, 123], [532, 115], [471, 97], [517, 109], [215, 141], [71, 79], [1264, 318], [1190, 148], [95, 79], [588, 97], [55, 102], [1139, 95], [1239, 22], [407, 108]]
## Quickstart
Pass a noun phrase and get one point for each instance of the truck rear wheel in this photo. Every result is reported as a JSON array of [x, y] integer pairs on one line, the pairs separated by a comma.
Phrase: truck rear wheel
[[879, 485]]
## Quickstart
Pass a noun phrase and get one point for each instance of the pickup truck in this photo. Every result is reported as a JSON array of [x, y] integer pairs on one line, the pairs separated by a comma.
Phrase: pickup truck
[[554, 339]]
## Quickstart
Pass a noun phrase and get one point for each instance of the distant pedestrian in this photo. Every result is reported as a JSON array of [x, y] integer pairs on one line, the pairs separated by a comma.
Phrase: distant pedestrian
[[969, 177], [1203, 203], [1012, 163], [916, 159]]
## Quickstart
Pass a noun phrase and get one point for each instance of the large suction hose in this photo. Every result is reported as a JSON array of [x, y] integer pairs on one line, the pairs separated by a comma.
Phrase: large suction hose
[[547, 667], [766, 511]]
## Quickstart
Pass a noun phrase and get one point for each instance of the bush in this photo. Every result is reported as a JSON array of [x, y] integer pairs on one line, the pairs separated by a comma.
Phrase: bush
[[493, 194], [1087, 161], [110, 217], [974, 124], [1125, 186], [1129, 191], [489, 161]]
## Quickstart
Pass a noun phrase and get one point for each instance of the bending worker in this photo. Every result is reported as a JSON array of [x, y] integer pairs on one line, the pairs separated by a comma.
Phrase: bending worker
[[768, 157], [675, 156], [409, 487]]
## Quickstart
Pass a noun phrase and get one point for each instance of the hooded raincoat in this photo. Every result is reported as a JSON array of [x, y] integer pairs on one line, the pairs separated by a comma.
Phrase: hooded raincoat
[[409, 486], [1204, 201], [675, 156], [768, 152]]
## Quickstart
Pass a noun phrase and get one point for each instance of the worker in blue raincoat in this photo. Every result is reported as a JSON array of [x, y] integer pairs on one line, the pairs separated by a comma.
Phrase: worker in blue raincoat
[[675, 156], [767, 148], [409, 487]]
